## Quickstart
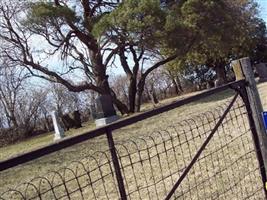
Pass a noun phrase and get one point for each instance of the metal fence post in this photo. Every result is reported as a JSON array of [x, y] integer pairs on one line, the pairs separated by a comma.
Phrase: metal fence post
[[243, 70], [116, 164]]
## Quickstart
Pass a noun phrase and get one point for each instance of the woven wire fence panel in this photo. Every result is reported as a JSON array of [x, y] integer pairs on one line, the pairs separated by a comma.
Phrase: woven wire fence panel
[[150, 165], [90, 178], [24, 173], [227, 169]]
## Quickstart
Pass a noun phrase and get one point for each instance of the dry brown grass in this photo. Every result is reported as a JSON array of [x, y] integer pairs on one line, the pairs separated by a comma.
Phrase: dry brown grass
[[228, 163]]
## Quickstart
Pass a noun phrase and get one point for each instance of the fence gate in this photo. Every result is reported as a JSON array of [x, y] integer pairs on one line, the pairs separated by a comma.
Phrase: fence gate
[[234, 156], [219, 154]]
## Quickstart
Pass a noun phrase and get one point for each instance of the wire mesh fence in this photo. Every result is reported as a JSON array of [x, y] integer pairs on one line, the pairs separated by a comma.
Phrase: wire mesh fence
[[151, 165]]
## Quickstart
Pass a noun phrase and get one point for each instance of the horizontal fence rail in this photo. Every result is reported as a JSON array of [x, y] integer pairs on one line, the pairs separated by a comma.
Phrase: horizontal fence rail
[[70, 141]]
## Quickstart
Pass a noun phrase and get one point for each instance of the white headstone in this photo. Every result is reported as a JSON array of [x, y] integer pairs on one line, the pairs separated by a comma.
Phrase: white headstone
[[59, 132]]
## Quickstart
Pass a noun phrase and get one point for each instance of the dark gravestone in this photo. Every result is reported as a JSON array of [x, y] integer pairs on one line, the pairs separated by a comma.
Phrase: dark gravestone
[[105, 111], [104, 107], [72, 120], [77, 119], [262, 71], [67, 121]]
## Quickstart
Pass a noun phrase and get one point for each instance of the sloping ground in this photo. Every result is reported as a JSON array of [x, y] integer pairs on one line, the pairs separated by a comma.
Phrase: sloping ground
[[44, 139], [205, 181]]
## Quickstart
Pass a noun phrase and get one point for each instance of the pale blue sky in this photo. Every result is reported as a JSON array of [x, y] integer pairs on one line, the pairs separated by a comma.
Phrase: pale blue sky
[[263, 14], [263, 9]]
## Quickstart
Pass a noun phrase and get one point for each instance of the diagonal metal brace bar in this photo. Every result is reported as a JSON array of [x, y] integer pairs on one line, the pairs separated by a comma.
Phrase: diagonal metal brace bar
[[201, 149]]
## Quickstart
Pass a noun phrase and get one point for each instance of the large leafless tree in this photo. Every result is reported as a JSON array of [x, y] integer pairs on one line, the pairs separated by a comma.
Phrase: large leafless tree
[[37, 34]]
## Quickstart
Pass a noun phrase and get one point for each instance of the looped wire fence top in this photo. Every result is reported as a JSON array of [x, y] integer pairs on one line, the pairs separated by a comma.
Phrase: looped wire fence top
[[151, 165]]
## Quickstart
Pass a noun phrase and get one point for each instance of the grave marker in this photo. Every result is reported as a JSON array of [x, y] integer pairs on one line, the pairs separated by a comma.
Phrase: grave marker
[[262, 71], [105, 111], [59, 132]]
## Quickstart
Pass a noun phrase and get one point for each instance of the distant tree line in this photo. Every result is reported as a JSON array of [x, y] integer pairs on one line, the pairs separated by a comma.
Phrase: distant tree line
[[161, 48]]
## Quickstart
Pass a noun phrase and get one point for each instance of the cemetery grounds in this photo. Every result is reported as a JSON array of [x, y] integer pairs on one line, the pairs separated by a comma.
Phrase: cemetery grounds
[[180, 131]]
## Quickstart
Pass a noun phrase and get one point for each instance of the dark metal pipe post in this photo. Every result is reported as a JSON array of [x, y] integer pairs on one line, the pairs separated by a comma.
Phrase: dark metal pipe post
[[243, 71], [116, 164], [243, 94]]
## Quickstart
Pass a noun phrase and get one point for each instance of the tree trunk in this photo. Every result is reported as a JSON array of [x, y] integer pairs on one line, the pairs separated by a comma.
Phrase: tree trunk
[[47, 123], [179, 85], [121, 106], [132, 95], [102, 81], [138, 100], [99, 70], [13, 118], [140, 90], [13, 121], [153, 96], [175, 86]]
